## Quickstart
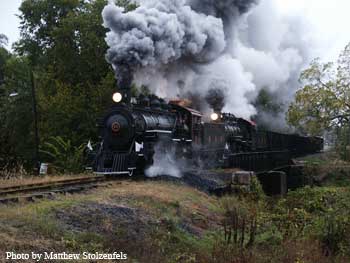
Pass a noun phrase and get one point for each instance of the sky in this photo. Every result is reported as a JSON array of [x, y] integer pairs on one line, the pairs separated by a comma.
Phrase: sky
[[9, 23], [330, 20]]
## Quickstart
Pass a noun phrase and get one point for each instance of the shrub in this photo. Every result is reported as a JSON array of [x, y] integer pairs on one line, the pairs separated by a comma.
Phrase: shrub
[[65, 156], [256, 190], [335, 229], [11, 171], [342, 146], [239, 222]]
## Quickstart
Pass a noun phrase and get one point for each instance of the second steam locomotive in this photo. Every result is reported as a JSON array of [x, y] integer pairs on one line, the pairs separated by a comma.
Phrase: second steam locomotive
[[130, 132]]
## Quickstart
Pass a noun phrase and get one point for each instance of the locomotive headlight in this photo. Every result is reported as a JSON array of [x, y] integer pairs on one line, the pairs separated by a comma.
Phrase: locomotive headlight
[[214, 116], [117, 97]]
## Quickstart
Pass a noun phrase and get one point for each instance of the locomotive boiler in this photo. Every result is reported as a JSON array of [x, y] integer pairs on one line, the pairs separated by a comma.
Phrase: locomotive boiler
[[129, 133]]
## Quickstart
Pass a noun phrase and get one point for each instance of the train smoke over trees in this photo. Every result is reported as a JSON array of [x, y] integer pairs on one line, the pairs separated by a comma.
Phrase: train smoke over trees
[[245, 44]]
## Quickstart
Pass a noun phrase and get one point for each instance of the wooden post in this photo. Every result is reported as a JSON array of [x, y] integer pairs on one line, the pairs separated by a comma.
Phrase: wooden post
[[35, 115]]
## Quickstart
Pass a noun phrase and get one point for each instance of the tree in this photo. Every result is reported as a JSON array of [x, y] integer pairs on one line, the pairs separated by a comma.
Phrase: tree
[[4, 56], [63, 43], [323, 104], [3, 40], [16, 117], [66, 38], [38, 20]]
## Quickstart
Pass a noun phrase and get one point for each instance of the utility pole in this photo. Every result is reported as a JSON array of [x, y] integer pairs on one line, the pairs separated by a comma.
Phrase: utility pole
[[35, 115]]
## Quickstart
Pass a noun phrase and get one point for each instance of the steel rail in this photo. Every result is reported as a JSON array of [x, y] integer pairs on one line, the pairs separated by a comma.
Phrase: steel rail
[[13, 193]]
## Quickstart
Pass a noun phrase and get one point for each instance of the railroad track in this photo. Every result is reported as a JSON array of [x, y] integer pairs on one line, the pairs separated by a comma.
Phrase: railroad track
[[31, 192]]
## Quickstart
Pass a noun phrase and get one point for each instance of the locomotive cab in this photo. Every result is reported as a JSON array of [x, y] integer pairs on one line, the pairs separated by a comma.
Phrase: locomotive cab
[[188, 124]]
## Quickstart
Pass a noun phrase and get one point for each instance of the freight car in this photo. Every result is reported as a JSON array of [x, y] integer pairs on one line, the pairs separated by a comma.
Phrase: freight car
[[130, 132]]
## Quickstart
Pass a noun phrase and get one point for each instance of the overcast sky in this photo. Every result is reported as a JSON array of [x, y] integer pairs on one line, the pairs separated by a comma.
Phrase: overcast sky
[[9, 23], [330, 19]]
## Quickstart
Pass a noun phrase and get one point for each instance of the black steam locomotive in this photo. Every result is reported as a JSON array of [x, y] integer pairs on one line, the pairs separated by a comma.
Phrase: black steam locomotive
[[131, 130]]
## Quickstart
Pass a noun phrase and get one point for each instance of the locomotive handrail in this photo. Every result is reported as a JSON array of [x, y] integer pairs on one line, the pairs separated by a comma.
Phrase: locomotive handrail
[[256, 153]]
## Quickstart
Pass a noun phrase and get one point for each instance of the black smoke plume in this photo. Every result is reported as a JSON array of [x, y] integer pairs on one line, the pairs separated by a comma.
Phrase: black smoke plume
[[227, 10], [160, 32], [125, 75], [245, 44], [216, 99]]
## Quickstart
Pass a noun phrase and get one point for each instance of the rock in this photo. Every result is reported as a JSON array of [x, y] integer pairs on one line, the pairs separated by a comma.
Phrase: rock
[[242, 178]]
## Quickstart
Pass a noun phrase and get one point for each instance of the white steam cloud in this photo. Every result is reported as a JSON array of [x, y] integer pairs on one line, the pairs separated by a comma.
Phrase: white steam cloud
[[165, 162], [274, 49], [182, 47]]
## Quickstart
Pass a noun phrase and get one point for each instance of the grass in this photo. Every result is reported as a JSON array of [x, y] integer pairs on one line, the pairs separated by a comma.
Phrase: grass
[[181, 224], [171, 205], [30, 179], [327, 169], [325, 158]]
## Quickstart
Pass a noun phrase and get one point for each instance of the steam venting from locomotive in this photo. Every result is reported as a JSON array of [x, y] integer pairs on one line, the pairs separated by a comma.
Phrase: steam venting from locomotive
[[182, 47], [165, 162]]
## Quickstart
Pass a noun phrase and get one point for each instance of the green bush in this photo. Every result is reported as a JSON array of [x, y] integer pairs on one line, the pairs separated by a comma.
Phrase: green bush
[[342, 146], [320, 212], [334, 233], [240, 221], [65, 156]]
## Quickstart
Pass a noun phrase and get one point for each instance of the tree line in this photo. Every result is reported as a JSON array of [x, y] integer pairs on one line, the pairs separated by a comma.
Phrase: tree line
[[62, 48]]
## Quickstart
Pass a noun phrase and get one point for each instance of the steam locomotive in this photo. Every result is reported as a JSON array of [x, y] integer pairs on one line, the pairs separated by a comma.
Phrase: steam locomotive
[[132, 129]]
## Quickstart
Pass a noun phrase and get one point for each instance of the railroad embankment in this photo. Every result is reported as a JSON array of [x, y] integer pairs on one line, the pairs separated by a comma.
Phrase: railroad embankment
[[162, 221]]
